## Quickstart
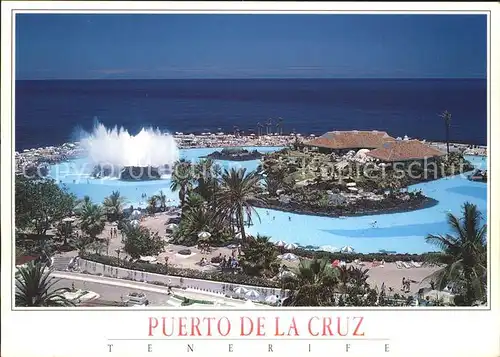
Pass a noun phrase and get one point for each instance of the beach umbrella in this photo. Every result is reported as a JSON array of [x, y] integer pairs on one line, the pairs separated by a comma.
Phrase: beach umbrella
[[204, 235], [280, 243], [291, 246], [272, 299], [241, 290], [171, 226], [114, 224], [232, 246], [286, 274], [134, 222], [68, 220], [135, 214], [347, 249], [252, 294], [329, 248], [288, 256]]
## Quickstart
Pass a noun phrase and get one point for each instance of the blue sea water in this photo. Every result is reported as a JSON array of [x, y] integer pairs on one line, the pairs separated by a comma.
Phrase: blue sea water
[[400, 232], [51, 112]]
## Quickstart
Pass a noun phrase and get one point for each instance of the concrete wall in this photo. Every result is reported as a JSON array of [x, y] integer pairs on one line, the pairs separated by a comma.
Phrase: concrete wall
[[206, 286]]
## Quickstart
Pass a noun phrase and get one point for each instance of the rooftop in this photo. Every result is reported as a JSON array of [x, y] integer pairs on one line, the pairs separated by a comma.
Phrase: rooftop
[[353, 139], [403, 151]]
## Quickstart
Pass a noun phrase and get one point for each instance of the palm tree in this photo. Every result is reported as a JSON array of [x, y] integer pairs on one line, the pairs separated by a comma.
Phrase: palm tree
[[113, 205], [182, 179], [268, 126], [280, 122], [162, 199], [260, 257], [447, 122], [34, 287], [465, 253], [98, 246], [198, 219], [82, 203], [81, 243], [64, 231], [194, 200], [358, 277], [152, 202], [207, 175], [238, 194], [272, 185], [92, 219], [315, 284]]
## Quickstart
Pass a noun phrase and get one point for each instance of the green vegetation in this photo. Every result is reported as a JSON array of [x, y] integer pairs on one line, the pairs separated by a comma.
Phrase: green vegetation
[[92, 218], [316, 283], [34, 287], [239, 193], [260, 257], [40, 203], [139, 241], [465, 256], [113, 206], [186, 273], [446, 116], [182, 179], [223, 203], [189, 301]]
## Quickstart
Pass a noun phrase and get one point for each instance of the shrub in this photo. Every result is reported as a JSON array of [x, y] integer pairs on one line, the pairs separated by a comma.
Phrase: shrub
[[180, 272]]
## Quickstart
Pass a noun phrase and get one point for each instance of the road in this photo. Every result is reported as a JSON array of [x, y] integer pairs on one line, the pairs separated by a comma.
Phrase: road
[[110, 292]]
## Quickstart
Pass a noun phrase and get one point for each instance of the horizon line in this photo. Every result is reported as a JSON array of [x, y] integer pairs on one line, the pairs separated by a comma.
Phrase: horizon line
[[247, 78]]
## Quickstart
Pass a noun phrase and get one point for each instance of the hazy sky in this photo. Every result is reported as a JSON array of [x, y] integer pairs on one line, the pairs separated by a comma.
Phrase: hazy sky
[[250, 46]]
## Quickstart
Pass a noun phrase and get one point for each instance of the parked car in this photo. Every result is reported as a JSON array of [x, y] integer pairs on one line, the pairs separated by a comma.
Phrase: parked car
[[136, 299]]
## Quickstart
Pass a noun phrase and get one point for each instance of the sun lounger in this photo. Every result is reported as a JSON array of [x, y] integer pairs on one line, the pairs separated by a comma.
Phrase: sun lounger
[[399, 264], [415, 264], [406, 265]]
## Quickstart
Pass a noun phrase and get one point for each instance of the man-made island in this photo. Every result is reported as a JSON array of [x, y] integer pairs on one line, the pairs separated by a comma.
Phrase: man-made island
[[348, 173], [235, 154]]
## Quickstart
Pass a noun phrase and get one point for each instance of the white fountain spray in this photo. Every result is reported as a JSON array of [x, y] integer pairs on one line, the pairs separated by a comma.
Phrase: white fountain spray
[[118, 149]]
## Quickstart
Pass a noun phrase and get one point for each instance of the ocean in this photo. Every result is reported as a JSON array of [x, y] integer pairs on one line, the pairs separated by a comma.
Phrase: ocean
[[51, 112]]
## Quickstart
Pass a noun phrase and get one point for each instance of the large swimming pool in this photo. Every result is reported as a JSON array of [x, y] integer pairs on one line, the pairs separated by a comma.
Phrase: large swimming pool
[[400, 232]]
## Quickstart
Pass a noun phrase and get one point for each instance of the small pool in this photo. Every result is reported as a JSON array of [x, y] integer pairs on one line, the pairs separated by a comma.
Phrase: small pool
[[400, 232]]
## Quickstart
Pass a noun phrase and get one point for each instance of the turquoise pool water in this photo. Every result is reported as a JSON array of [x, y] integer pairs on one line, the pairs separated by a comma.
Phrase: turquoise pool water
[[400, 232]]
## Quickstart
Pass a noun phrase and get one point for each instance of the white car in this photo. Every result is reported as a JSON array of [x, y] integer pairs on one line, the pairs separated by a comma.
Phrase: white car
[[136, 299]]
